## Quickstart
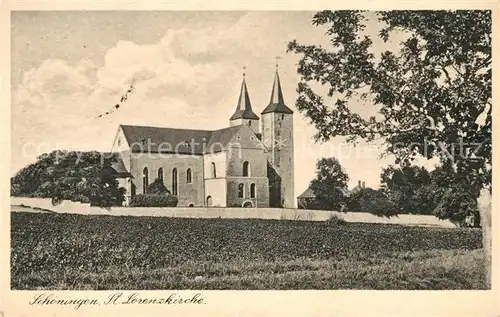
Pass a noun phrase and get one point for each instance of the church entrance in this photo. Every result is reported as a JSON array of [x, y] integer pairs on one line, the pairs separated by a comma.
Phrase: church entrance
[[209, 201], [247, 204]]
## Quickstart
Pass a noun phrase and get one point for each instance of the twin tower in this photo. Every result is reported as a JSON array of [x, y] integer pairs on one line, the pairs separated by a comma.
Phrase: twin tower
[[276, 134]]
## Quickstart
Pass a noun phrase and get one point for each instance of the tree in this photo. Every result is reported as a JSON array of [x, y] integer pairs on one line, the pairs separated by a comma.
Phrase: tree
[[441, 73], [330, 184], [408, 188], [429, 91], [372, 201], [432, 93], [457, 199], [63, 175]]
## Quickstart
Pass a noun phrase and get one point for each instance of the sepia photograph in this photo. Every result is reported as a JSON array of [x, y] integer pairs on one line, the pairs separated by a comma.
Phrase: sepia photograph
[[250, 150]]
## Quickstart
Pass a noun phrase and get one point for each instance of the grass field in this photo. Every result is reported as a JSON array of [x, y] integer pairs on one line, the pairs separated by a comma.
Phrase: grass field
[[63, 251]]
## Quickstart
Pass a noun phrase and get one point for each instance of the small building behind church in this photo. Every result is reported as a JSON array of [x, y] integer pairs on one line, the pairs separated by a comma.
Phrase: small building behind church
[[249, 163]]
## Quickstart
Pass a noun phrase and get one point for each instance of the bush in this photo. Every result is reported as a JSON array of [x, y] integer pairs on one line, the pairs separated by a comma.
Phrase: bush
[[154, 201], [335, 220], [158, 188]]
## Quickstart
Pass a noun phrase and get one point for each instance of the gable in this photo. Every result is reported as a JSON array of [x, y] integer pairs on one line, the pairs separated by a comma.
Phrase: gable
[[246, 138], [120, 142], [220, 139]]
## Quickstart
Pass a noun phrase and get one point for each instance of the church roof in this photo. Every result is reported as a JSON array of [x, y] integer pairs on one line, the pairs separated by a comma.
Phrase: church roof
[[244, 107], [170, 140], [219, 139], [277, 103]]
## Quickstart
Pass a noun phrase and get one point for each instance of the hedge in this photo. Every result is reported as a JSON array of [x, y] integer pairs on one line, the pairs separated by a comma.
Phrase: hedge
[[154, 201]]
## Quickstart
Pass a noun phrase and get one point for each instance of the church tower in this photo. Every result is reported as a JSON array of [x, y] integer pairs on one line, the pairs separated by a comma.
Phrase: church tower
[[277, 136], [244, 113]]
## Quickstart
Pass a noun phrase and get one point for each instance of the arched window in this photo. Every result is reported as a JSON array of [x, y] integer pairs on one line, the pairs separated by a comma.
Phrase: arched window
[[174, 182], [246, 168], [145, 180], [214, 172], [189, 177], [249, 123], [241, 190], [252, 191], [160, 174]]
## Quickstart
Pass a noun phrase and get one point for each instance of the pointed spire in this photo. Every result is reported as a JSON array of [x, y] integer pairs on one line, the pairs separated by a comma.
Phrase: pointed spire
[[277, 103], [244, 107], [276, 93]]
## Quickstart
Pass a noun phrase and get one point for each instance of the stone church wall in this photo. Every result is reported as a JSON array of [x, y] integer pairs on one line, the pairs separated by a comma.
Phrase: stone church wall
[[256, 158], [188, 193], [215, 189], [261, 195]]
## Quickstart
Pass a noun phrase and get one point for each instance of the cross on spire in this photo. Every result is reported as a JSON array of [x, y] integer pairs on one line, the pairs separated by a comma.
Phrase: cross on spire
[[244, 69], [277, 62]]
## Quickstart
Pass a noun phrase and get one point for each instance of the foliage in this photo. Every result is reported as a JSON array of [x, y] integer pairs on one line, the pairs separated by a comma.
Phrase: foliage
[[408, 188], [54, 251], [335, 220], [454, 196], [443, 192], [372, 201], [329, 185], [157, 188], [154, 201], [78, 176], [432, 93]]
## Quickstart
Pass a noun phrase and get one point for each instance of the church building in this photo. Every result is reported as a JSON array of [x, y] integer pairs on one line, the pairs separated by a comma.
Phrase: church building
[[249, 163]]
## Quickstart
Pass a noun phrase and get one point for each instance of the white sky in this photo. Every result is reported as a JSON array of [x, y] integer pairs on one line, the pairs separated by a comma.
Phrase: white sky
[[68, 67]]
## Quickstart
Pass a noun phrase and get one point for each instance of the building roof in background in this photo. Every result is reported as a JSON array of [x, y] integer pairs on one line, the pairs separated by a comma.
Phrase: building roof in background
[[308, 193], [120, 168]]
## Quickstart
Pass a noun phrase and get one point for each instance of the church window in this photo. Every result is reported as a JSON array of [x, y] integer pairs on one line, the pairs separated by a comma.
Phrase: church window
[[246, 169], [252, 191], [119, 142], [189, 176], [214, 171], [160, 174], [241, 190], [145, 180], [249, 123], [174, 182], [282, 116]]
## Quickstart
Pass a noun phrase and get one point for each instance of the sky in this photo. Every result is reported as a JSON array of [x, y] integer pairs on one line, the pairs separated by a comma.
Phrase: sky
[[70, 66]]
